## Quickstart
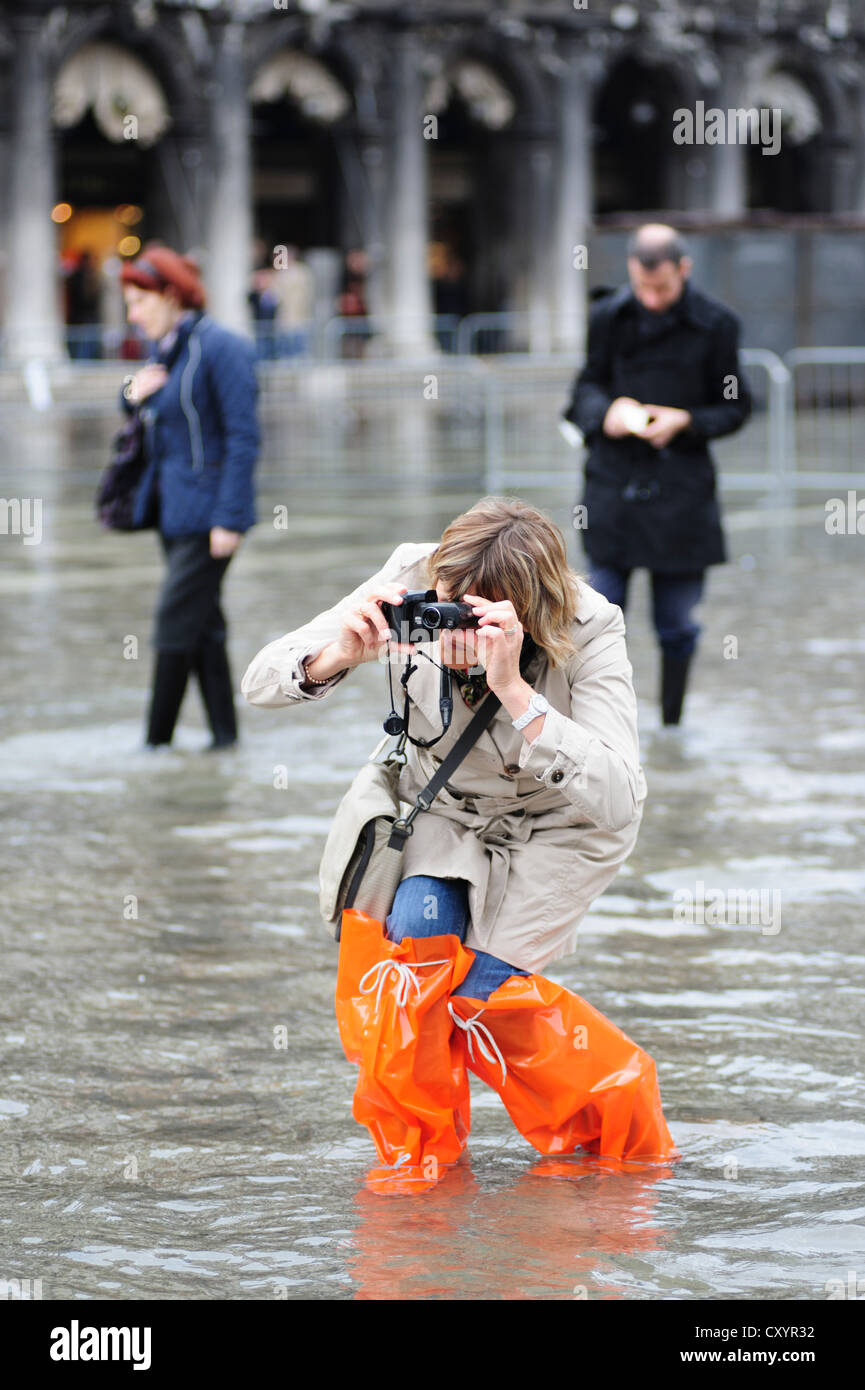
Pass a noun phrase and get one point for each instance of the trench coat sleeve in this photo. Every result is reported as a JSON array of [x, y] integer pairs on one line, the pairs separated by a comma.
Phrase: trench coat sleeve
[[592, 757], [720, 416], [274, 677], [592, 395]]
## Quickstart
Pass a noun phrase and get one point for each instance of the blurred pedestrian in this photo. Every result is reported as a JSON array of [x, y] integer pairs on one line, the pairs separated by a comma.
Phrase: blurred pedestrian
[[662, 377], [293, 285], [353, 302], [450, 291], [202, 436], [83, 295], [264, 303]]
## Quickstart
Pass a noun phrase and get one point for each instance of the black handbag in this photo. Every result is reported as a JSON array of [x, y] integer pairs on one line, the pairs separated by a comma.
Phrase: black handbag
[[119, 483]]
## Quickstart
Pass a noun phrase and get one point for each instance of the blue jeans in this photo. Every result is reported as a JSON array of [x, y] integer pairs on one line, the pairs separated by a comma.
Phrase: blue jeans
[[673, 597], [425, 906]]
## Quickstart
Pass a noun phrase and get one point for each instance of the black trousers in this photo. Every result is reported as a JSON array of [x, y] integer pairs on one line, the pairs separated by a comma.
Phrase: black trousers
[[189, 636], [189, 609]]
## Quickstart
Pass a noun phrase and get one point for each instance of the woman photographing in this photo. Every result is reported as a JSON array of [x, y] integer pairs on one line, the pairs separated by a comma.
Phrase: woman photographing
[[501, 869]]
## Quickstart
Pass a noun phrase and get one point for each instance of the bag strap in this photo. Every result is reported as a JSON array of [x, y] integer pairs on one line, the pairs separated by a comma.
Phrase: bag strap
[[402, 828], [472, 732], [469, 736]]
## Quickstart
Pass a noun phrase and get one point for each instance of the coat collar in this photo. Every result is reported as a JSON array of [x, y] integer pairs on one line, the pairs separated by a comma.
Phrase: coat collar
[[692, 306], [172, 344]]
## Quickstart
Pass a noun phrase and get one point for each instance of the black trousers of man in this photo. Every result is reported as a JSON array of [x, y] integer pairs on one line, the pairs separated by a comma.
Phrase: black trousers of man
[[190, 637]]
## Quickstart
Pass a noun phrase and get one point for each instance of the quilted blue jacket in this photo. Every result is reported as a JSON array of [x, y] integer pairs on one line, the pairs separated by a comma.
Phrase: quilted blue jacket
[[202, 433]]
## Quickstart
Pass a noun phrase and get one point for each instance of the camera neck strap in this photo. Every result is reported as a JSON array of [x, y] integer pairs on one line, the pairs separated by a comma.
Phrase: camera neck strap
[[491, 703], [402, 828]]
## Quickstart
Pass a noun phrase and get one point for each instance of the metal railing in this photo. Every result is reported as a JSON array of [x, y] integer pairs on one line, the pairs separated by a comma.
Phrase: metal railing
[[344, 337], [494, 416], [525, 394], [828, 414]]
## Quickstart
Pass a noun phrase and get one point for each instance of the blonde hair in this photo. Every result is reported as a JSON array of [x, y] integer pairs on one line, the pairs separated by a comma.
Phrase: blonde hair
[[502, 548]]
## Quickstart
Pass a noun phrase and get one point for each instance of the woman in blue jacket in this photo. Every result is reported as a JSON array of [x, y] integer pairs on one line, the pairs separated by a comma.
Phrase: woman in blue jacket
[[197, 400]]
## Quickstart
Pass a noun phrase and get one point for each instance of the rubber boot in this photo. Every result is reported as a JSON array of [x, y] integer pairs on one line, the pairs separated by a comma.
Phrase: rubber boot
[[170, 674], [566, 1075], [392, 1012], [214, 678], [674, 681]]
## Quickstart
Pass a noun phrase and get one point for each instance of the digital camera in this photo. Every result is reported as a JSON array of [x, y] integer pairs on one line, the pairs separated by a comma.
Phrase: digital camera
[[421, 616]]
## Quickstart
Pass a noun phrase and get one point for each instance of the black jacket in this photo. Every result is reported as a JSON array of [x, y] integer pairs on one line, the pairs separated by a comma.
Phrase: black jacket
[[647, 507]]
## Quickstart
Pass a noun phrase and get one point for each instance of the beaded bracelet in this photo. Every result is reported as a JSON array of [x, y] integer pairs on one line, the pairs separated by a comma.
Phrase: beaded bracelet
[[307, 678]]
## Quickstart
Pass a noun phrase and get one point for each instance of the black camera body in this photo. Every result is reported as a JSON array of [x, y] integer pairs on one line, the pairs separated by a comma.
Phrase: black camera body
[[421, 616]]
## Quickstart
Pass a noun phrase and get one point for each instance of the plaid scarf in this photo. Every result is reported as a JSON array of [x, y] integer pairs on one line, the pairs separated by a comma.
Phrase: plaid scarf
[[472, 688]]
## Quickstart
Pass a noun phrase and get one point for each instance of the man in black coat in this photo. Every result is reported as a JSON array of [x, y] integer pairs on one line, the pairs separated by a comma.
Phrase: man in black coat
[[662, 377]]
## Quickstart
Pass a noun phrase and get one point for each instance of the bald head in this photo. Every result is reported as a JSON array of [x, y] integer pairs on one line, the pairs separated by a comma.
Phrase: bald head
[[658, 266], [655, 243]]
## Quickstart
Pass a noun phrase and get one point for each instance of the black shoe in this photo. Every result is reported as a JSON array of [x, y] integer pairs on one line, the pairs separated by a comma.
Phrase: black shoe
[[674, 682], [214, 677], [170, 674]]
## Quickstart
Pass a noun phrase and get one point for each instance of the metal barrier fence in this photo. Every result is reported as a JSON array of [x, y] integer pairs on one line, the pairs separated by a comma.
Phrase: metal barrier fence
[[496, 419], [456, 416], [828, 410], [494, 422], [523, 399], [340, 338], [376, 422]]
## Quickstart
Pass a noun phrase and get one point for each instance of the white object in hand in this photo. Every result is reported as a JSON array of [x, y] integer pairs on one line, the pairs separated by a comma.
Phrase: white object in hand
[[634, 418], [571, 434]]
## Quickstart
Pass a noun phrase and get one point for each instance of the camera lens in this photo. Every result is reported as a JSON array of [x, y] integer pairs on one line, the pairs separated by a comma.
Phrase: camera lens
[[430, 617]]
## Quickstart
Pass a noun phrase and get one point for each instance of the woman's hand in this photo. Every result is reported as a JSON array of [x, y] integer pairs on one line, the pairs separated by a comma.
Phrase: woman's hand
[[222, 542], [499, 641], [364, 630], [149, 379]]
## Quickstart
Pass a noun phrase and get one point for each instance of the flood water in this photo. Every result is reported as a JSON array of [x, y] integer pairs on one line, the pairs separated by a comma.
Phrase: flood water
[[160, 926]]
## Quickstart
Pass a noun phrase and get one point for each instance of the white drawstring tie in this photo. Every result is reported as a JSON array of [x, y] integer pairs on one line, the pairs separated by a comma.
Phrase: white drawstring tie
[[476, 1032], [405, 980]]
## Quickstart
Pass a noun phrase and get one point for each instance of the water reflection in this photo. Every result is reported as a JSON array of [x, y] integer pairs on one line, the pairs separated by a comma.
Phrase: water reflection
[[557, 1231]]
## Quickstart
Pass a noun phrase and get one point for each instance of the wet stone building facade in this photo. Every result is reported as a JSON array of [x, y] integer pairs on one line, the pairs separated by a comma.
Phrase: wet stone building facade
[[502, 130]]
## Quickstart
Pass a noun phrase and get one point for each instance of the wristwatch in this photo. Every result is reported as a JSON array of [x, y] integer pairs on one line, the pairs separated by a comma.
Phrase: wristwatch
[[538, 704]]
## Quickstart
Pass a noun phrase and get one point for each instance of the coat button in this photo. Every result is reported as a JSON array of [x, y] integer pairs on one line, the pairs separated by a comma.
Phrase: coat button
[[512, 769], [557, 775]]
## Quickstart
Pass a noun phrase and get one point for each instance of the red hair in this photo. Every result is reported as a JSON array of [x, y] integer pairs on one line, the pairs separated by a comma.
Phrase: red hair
[[159, 268]]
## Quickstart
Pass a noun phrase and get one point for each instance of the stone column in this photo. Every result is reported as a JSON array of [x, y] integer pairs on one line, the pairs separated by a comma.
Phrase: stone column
[[540, 192], [364, 169], [181, 160], [407, 233], [229, 262], [842, 171], [33, 323], [572, 212], [374, 174], [858, 199], [5, 166], [728, 163]]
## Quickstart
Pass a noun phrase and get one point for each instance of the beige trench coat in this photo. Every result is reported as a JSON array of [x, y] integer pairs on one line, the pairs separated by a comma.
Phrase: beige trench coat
[[538, 830]]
